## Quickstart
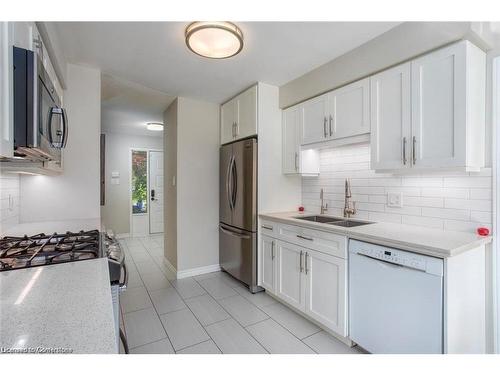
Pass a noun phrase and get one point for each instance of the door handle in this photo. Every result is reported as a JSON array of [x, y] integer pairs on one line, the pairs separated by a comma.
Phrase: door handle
[[414, 150], [300, 263], [324, 127], [228, 182], [234, 234], [330, 125], [272, 250], [152, 194], [234, 178], [404, 150], [296, 161], [306, 267]]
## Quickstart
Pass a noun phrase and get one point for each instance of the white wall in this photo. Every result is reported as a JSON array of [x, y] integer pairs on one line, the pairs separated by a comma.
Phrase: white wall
[[197, 184], [75, 193], [9, 201], [444, 200], [192, 159], [116, 211]]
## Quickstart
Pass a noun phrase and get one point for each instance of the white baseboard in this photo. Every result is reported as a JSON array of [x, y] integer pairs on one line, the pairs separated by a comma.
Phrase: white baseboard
[[191, 271], [122, 235]]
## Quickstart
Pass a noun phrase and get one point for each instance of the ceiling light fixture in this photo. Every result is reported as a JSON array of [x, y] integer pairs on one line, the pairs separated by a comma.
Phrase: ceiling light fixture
[[155, 126], [215, 40]]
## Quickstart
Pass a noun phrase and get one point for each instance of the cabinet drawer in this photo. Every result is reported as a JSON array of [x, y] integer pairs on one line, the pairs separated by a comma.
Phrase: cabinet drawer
[[328, 243], [269, 228]]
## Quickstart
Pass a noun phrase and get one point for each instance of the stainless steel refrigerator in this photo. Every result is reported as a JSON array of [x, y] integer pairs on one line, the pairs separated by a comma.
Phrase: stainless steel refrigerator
[[238, 211]]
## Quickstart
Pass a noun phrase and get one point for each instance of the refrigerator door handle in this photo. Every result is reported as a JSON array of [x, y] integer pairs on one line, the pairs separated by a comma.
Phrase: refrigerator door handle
[[229, 182], [234, 188], [234, 234]]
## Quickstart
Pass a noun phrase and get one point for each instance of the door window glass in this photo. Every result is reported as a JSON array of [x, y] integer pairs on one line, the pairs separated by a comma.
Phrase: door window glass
[[139, 182]]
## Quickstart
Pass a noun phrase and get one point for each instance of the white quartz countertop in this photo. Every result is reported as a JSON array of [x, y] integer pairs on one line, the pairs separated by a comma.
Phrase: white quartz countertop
[[434, 242], [49, 227], [65, 306]]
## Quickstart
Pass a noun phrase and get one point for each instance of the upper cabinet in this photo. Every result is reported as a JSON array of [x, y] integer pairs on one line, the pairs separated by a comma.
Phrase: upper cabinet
[[239, 116], [339, 114], [6, 92], [349, 110], [296, 160], [430, 113]]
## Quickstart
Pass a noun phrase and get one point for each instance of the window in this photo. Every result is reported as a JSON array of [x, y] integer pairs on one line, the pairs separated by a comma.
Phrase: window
[[139, 182]]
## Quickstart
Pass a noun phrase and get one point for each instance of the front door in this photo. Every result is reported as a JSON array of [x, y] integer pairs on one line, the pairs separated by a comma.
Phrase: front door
[[156, 191]]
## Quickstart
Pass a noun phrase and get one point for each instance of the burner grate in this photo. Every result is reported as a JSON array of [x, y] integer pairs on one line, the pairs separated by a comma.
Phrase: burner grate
[[42, 249]]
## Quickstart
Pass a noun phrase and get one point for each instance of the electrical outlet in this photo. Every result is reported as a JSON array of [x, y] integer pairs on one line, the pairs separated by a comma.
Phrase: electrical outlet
[[395, 199]]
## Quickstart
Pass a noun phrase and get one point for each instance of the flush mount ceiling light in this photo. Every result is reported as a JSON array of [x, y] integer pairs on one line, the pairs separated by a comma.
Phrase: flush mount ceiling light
[[154, 126], [215, 40]]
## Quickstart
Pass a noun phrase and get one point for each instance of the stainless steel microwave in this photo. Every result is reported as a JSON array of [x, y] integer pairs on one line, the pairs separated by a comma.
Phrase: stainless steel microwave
[[40, 123]]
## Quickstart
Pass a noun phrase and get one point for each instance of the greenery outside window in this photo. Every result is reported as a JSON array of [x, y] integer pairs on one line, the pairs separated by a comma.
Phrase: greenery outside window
[[139, 182]]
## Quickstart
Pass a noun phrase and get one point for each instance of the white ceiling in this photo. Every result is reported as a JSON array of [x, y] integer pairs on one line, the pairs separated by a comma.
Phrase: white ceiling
[[154, 54], [127, 107]]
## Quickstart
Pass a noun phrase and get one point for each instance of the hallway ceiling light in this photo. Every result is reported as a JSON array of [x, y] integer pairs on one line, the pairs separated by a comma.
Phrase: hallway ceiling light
[[155, 126], [215, 40]]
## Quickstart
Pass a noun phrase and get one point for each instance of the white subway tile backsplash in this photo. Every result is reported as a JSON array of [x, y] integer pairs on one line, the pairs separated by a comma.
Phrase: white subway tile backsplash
[[448, 200]]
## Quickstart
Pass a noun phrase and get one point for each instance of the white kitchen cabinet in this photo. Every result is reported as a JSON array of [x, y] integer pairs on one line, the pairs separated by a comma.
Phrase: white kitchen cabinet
[[447, 106], [290, 286], [6, 93], [239, 116], [295, 160], [228, 113], [268, 246], [326, 286], [391, 118], [349, 110], [314, 120]]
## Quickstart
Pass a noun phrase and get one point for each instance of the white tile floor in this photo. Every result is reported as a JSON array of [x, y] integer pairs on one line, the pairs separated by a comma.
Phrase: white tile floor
[[212, 313]]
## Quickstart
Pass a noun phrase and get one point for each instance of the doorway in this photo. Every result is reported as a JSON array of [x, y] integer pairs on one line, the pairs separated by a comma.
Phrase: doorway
[[146, 192]]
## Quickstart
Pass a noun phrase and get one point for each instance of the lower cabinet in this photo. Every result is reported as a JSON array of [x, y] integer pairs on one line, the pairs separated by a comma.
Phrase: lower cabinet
[[268, 266], [308, 280], [326, 297]]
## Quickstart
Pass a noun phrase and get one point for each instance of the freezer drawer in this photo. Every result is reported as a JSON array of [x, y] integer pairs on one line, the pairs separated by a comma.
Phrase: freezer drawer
[[238, 254]]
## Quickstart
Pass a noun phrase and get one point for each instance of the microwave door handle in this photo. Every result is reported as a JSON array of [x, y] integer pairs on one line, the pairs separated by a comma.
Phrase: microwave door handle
[[49, 126], [65, 128]]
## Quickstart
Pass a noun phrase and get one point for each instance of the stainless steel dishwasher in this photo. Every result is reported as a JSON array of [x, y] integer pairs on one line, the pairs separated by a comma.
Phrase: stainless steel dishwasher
[[395, 300]]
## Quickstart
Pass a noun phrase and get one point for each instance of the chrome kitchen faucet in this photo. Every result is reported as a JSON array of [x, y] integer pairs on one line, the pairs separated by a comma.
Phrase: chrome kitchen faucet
[[324, 206], [348, 210]]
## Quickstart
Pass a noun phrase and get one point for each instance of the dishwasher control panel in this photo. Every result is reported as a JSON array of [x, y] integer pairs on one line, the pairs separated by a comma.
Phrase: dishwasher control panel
[[396, 256]]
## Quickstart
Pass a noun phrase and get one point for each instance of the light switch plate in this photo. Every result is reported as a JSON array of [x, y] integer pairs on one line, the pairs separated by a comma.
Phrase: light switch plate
[[395, 199]]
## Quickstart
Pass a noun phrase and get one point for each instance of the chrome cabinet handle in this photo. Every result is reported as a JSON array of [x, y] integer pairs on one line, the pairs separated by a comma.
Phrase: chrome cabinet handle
[[236, 129], [301, 267], [324, 127], [404, 150], [272, 250], [268, 227], [330, 125], [414, 151], [304, 238], [296, 161], [306, 268]]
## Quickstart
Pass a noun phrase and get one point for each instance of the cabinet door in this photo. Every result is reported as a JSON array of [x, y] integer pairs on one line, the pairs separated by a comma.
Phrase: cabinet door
[[438, 108], [268, 246], [227, 121], [391, 118], [6, 93], [326, 297], [349, 110], [246, 121], [314, 121], [291, 151], [290, 284]]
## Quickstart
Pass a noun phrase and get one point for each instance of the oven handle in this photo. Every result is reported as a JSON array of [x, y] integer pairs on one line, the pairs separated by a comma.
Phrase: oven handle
[[124, 284]]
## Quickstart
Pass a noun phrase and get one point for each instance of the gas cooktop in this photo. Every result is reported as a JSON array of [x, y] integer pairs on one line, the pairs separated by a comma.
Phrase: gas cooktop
[[42, 249]]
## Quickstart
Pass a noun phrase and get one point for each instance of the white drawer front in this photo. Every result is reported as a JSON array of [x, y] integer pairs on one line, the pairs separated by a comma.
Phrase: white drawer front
[[269, 228], [327, 243]]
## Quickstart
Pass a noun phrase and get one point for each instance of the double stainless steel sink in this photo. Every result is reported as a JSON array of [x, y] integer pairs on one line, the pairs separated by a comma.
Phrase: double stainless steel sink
[[341, 222]]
